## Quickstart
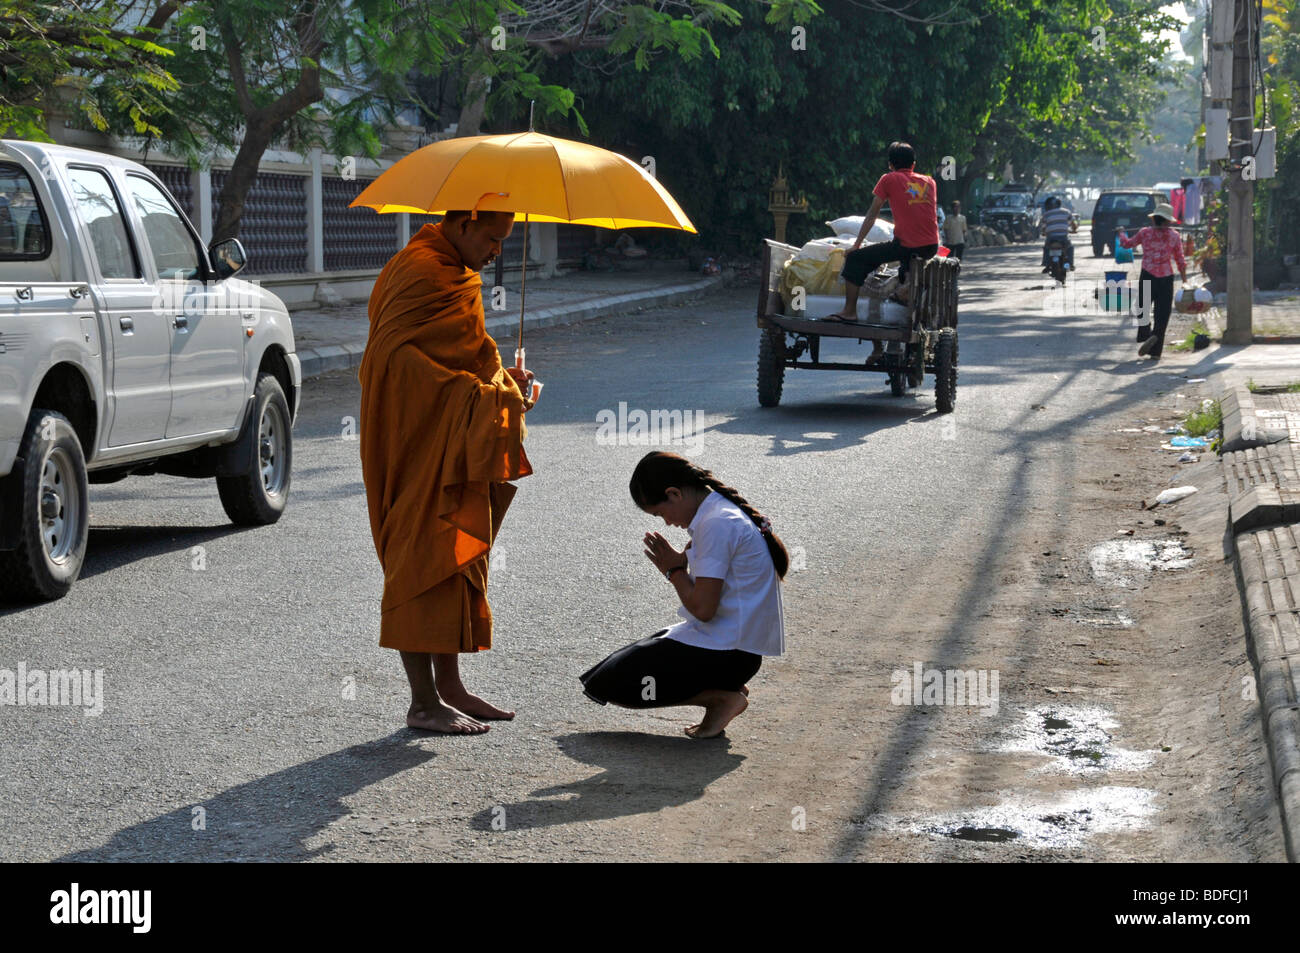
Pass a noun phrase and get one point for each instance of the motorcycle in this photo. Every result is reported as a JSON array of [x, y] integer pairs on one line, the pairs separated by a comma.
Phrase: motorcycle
[[1056, 263]]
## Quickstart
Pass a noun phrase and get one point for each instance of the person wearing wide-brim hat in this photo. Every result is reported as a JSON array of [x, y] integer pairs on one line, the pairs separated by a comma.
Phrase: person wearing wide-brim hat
[[1162, 246]]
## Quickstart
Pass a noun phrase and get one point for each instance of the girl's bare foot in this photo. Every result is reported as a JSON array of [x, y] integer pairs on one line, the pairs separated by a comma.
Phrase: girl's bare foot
[[472, 705], [443, 719], [719, 709], [744, 690]]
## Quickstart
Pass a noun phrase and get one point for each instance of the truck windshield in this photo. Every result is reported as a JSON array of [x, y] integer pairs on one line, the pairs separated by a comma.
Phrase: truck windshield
[[24, 235]]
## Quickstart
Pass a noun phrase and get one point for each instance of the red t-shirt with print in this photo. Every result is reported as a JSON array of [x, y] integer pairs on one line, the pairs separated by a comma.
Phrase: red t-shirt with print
[[911, 197]]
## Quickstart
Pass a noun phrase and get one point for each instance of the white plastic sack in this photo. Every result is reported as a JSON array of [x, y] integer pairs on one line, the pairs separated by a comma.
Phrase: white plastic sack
[[819, 249], [850, 225], [1175, 493]]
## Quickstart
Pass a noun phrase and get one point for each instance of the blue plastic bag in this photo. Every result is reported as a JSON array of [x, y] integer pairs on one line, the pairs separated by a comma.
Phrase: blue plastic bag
[[1122, 255], [1197, 442]]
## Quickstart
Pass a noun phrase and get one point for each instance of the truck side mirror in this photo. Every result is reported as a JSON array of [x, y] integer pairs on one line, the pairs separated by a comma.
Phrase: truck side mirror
[[227, 257]]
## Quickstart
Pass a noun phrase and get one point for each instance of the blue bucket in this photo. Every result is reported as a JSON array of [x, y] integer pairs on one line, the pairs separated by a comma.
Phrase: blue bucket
[[1116, 294]]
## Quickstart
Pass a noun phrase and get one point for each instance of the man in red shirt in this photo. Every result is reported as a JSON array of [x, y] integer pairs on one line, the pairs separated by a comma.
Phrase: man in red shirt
[[911, 197]]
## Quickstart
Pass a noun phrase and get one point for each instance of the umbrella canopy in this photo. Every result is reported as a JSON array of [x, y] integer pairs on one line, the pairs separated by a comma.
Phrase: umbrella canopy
[[541, 177]]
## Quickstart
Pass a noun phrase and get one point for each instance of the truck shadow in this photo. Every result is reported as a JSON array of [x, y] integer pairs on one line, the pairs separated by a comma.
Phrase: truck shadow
[[110, 547], [270, 818], [642, 774]]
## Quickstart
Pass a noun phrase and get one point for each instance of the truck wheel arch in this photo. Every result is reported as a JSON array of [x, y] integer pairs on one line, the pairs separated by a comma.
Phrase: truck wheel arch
[[274, 362], [64, 388]]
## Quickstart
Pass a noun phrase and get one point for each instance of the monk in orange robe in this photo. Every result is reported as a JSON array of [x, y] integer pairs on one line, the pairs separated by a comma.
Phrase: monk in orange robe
[[442, 429]]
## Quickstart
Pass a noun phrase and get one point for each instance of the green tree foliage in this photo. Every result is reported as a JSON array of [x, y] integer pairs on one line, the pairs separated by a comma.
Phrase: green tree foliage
[[1278, 201], [241, 75], [982, 82], [76, 57]]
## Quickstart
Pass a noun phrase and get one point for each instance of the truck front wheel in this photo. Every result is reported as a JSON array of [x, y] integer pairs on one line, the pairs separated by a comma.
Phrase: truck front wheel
[[48, 495], [258, 496]]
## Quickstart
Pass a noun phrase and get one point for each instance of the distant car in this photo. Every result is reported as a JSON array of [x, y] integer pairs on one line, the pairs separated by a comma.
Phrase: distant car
[[1013, 213], [1117, 208]]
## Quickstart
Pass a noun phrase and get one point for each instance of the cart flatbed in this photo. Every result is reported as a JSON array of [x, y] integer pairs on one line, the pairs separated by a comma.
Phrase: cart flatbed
[[925, 341]]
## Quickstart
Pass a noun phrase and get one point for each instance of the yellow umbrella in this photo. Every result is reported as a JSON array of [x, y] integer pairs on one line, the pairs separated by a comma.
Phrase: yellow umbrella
[[543, 178], [540, 177]]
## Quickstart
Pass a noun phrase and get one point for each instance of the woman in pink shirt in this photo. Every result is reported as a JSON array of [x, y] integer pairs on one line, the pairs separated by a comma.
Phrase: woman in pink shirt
[[1161, 247]]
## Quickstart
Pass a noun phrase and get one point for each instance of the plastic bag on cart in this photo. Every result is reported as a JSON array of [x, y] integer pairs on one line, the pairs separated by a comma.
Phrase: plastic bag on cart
[[850, 225], [817, 273]]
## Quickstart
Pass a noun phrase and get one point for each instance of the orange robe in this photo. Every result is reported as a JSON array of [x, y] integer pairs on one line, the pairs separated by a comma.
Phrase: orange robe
[[442, 428]]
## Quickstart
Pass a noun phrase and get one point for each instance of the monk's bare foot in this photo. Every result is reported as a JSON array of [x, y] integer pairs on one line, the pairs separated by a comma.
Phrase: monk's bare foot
[[443, 719], [474, 706], [718, 714]]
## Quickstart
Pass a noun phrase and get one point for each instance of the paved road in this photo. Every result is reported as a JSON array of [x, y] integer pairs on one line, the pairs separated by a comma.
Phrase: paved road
[[250, 714]]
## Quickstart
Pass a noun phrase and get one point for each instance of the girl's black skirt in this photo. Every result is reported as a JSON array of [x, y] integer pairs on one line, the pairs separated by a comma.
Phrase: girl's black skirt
[[659, 672]]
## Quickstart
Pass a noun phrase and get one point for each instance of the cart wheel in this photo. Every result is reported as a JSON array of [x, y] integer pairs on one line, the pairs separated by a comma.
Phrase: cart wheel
[[945, 371], [771, 366], [916, 371], [898, 383]]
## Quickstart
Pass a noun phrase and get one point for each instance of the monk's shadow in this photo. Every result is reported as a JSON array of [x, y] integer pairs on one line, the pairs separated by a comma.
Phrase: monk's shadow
[[271, 818], [643, 773]]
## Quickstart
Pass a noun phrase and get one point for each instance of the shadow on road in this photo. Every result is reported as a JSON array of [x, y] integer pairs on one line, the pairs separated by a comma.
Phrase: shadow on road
[[270, 818], [112, 546], [109, 547], [643, 774], [818, 426]]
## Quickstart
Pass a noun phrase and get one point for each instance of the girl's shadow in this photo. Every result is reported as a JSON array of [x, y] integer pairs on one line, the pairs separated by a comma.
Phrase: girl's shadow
[[643, 773]]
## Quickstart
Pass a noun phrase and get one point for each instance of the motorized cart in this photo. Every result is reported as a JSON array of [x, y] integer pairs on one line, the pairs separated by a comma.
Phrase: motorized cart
[[918, 337]]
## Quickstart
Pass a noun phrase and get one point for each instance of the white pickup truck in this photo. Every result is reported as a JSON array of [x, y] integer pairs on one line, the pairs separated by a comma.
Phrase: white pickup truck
[[126, 347]]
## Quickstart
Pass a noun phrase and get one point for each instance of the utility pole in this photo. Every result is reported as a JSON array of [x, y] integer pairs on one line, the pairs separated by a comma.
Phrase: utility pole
[[1241, 190], [1204, 79]]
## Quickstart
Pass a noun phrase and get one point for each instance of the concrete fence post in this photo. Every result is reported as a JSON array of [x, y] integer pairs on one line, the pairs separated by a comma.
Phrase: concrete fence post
[[201, 189], [315, 216]]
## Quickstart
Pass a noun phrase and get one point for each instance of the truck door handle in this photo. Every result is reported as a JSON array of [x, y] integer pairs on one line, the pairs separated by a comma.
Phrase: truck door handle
[[127, 325], [181, 323]]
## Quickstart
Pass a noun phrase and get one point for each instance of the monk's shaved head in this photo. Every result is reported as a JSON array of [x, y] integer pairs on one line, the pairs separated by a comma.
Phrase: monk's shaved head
[[478, 240], [493, 218]]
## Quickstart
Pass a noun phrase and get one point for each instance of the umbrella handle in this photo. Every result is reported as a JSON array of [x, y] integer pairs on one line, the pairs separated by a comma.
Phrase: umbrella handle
[[523, 290]]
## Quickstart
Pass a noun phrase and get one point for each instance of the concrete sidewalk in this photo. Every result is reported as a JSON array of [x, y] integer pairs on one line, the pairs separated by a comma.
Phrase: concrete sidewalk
[[331, 339], [1261, 464]]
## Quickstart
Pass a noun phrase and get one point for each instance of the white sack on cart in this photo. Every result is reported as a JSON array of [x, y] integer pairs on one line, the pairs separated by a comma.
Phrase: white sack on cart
[[850, 225]]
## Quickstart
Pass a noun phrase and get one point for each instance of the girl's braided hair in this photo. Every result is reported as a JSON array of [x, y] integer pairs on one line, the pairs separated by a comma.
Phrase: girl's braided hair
[[659, 470]]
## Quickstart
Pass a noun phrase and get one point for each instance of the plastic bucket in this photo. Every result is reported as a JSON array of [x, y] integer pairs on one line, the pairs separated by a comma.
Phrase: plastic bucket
[[1116, 295]]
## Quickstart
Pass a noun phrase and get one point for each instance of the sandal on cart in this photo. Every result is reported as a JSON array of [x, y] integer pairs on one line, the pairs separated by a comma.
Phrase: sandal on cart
[[841, 319]]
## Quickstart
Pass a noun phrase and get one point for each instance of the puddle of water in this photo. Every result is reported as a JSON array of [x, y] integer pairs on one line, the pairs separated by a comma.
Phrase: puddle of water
[[1062, 821], [993, 834], [1076, 737], [1115, 560]]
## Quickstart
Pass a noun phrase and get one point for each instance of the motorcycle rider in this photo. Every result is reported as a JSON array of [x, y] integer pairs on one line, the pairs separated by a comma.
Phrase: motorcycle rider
[[1056, 228]]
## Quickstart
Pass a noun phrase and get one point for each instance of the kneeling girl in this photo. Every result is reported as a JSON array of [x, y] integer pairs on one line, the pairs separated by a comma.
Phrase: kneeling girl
[[729, 583]]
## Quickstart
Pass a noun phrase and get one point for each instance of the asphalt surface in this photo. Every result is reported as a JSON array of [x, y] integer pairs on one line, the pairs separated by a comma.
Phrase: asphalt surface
[[249, 712]]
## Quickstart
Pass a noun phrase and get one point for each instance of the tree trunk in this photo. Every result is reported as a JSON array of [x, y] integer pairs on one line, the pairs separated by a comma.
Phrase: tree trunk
[[981, 157], [258, 134], [471, 113]]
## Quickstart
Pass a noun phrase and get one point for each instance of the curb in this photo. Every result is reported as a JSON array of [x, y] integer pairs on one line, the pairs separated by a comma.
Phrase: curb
[[1242, 429], [1273, 643], [341, 357]]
